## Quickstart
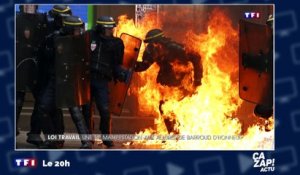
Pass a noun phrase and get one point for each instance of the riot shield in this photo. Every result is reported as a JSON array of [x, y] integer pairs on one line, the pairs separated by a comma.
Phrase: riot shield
[[118, 90], [72, 70], [30, 33], [255, 63], [26, 74]]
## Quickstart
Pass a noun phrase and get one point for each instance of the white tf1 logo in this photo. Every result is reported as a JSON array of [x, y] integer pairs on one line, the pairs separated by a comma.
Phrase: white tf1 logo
[[260, 161], [26, 162], [252, 15]]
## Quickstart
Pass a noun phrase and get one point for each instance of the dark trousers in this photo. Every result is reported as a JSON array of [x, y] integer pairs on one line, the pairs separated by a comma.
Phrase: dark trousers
[[170, 124], [51, 118], [100, 92], [52, 124], [34, 123]]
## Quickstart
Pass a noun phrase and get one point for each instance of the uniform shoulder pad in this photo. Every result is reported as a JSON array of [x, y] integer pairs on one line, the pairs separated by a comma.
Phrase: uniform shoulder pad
[[93, 33], [118, 41], [172, 45]]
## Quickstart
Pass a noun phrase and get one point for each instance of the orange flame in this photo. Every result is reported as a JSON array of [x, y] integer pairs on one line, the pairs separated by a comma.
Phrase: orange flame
[[211, 111]]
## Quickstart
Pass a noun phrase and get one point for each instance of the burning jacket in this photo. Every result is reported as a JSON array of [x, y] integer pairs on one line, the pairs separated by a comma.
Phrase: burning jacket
[[166, 53]]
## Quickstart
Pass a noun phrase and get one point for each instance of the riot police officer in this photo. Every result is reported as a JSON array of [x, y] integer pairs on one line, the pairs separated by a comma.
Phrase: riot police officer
[[72, 26], [31, 29], [48, 26], [106, 59], [56, 15], [55, 24], [164, 52]]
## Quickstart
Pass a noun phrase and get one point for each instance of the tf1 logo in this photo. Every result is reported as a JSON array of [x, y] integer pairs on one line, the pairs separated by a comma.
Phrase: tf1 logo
[[252, 15], [26, 162]]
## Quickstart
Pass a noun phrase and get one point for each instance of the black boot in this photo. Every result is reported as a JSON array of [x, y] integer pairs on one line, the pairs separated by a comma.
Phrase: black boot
[[81, 127], [46, 122], [86, 145], [34, 139], [87, 111], [20, 96], [58, 121], [108, 143], [263, 111], [47, 126], [170, 125], [105, 128]]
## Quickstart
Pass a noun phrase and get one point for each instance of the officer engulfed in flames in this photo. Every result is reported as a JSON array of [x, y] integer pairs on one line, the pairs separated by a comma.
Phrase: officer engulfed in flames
[[163, 51]]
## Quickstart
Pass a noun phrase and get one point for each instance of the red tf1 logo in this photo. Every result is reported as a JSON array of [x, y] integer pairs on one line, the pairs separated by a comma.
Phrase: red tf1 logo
[[251, 15], [26, 162]]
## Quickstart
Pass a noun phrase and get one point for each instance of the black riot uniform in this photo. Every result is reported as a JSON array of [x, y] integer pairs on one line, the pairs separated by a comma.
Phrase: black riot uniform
[[164, 52], [106, 60], [54, 18], [56, 15], [49, 101], [31, 30]]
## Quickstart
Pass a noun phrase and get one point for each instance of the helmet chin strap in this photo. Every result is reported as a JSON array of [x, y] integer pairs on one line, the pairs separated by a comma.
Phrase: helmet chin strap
[[101, 32]]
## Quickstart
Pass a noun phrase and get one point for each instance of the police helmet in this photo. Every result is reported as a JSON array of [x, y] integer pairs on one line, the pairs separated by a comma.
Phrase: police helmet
[[60, 10], [106, 22], [70, 23], [153, 35]]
